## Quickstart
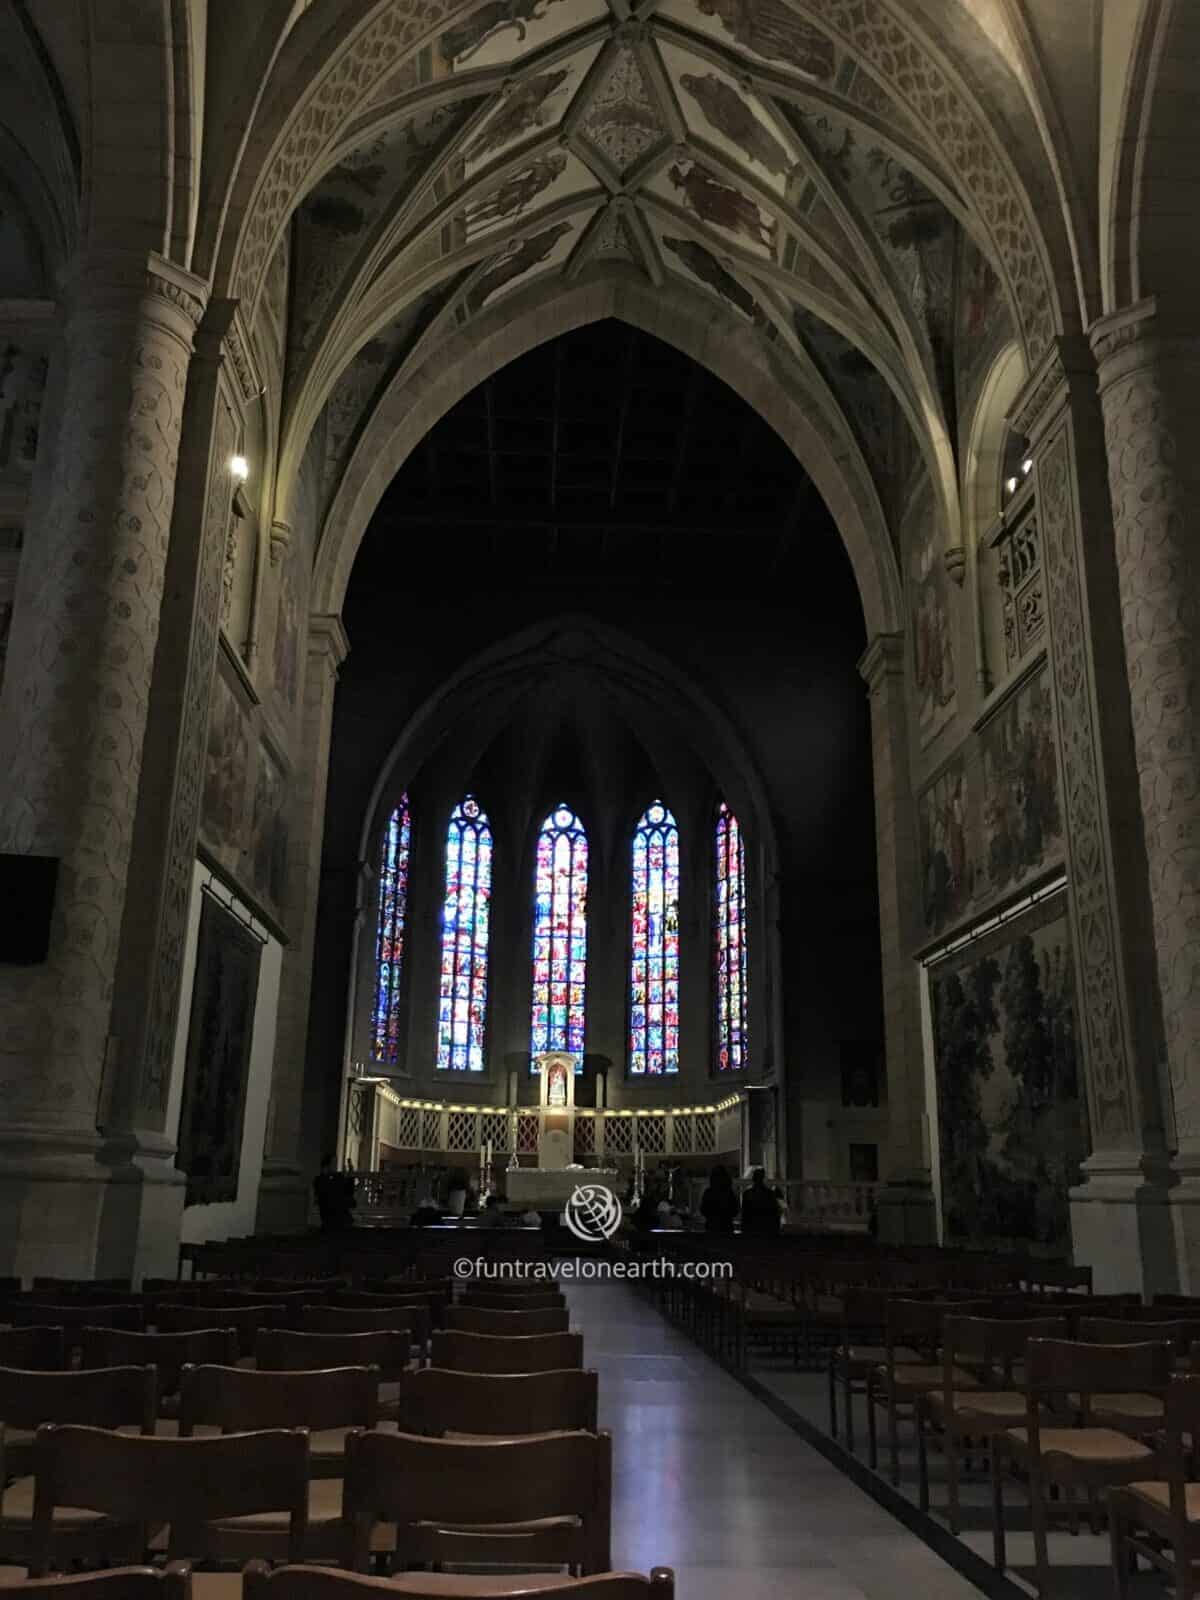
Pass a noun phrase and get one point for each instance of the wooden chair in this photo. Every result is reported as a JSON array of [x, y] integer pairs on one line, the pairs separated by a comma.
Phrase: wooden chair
[[856, 1351], [896, 1383], [1075, 1452], [113, 1397], [490, 1352], [507, 1324], [413, 1320], [545, 1500], [287, 1305], [172, 1582], [246, 1321], [193, 1486], [285, 1350], [97, 1286], [366, 1300], [259, 1582], [502, 1300], [435, 1401], [992, 1350], [75, 1317], [329, 1403], [33, 1349], [168, 1353], [1160, 1518]]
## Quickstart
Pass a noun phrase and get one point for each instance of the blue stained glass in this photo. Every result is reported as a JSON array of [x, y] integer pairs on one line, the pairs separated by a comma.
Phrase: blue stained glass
[[730, 930], [389, 942], [560, 935], [654, 966], [462, 1002]]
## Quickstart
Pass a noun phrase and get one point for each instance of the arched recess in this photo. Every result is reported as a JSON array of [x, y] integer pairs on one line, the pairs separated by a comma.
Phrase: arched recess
[[1151, 245], [420, 397], [981, 499]]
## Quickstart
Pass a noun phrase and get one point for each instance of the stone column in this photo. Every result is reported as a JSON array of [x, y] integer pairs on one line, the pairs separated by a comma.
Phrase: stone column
[[283, 1192], [1149, 371], [72, 726], [1119, 1218], [906, 1207]]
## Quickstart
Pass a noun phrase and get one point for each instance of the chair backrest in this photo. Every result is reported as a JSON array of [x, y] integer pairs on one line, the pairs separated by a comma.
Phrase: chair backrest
[[75, 1316], [367, 1300], [1068, 1366], [183, 1482], [403, 1479], [435, 1401], [108, 1397], [495, 1300], [1180, 1333], [490, 1352], [260, 1582], [172, 1582], [91, 1286], [472, 1319], [36, 1348], [918, 1323], [413, 1320], [1182, 1427], [993, 1345], [238, 1401], [284, 1350], [169, 1353], [244, 1320]]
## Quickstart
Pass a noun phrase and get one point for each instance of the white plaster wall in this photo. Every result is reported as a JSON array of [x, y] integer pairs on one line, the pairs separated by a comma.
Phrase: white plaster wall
[[235, 1217]]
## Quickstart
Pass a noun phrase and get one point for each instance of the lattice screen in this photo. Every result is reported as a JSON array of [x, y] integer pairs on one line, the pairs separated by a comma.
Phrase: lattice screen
[[408, 1128], [585, 1137], [493, 1125], [681, 1128], [705, 1132], [652, 1135], [431, 1130], [527, 1132], [460, 1131], [618, 1136], [358, 1114]]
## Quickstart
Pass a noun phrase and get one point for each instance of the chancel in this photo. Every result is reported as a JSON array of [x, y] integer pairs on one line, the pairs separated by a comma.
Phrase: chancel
[[601, 595]]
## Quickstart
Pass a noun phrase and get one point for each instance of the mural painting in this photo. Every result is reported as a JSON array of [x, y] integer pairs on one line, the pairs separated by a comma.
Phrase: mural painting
[[948, 864], [930, 626], [269, 832], [527, 110], [520, 259], [286, 653], [771, 29], [1022, 822], [622, 120], [1011, 1116], [721, 205], [507, 22], [216, 1072], [734, 118], [982, 317], [515, 193], [222, 816], [705, 266]]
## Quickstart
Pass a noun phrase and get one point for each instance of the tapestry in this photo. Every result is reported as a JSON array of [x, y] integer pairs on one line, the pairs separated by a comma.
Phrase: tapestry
[[1022, 822], [269, 833], [948, 864], [1012, 1119], [216, 1072], [222, 814]]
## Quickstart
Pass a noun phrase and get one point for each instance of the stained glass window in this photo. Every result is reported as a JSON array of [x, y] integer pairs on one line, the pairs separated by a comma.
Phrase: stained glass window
[[389, 943], [732, 996], [560, 935], [654, 971], [462, 1003]]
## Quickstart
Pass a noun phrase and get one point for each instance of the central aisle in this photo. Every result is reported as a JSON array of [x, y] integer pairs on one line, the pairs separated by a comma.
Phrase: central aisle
[[708, 1481]]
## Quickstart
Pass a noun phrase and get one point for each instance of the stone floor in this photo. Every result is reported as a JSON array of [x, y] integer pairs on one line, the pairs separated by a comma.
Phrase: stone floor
[[709, 1482]]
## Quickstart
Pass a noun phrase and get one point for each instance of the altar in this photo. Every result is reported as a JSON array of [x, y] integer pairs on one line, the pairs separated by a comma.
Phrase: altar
[[549, 1185]]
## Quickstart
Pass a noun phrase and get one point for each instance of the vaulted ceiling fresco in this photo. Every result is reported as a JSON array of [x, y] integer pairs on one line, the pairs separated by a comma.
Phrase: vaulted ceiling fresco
[[727, 144]]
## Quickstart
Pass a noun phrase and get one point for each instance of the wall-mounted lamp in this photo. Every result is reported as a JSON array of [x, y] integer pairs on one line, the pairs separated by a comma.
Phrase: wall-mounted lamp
[[1027, 466], [1010, 485], [239, 468]]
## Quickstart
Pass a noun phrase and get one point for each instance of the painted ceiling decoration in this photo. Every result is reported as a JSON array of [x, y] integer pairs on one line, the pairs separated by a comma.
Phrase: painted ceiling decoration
[[732, 145]]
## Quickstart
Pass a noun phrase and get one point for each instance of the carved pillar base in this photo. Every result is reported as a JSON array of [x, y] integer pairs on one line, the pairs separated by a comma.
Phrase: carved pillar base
[[1122, 1224], [284, 1196], [906, 1213], [77, 1206]]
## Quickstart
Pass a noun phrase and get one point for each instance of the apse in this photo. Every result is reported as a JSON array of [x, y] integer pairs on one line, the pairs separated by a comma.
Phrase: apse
[[603, 585]]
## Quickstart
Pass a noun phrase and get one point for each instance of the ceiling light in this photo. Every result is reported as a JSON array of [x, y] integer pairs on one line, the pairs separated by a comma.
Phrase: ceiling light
[[1010, 485], [1027, 466], [239, 468]]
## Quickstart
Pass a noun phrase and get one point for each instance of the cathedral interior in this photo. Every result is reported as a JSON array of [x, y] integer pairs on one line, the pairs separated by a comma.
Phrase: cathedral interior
[[655, 531]]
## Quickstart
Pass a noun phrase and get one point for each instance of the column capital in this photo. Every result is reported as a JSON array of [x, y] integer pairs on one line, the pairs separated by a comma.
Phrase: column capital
[[327, 639], [1136, 336], [280, 540], [1047, 391], [110, 283], [883, 658]]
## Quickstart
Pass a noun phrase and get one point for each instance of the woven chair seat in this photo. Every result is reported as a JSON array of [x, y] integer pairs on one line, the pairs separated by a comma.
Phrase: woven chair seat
[[873, 1355], [999, 1405], [918, 1375], [1136, 1407], [1096, 1446], [1158, 1495], [16, 1510]]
